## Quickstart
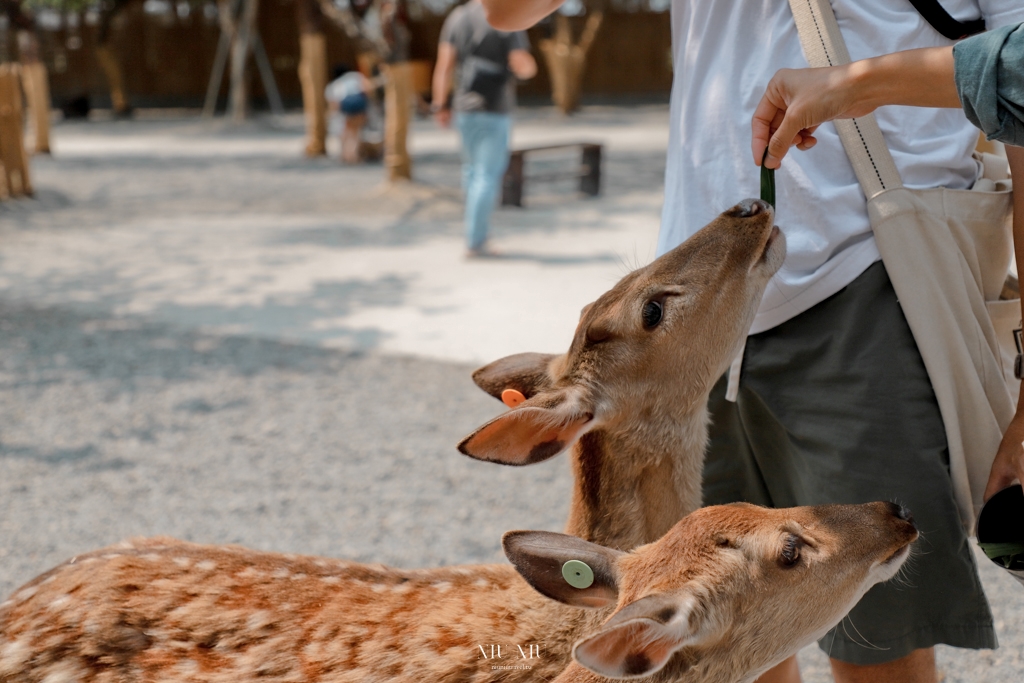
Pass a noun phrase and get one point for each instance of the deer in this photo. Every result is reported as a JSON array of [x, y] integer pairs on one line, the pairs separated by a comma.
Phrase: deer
[[628, 400], [727, 593]]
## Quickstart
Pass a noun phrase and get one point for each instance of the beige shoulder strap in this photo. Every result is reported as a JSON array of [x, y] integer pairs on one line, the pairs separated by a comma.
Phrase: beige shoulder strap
[[823, 45]]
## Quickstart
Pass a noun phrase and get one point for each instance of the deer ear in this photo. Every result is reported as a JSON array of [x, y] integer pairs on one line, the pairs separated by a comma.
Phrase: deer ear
[[541, 558], [640, 638], [530, 433], [526, 373]]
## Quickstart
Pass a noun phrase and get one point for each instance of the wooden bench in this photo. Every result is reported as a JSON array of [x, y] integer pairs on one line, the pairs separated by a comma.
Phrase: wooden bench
[[588, 171]]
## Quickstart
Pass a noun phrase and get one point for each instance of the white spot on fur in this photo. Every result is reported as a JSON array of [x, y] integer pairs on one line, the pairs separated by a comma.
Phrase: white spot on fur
[[330, 579], [481, 583], [59, 603], [403, 588], [298, 577], [442, 586], [206, 566], [290, 556], [111, 556], [152, 557], [6, 603], [48, 579], [187, 668], [183, 562], [13, 654], [281, 574], [378, 588], [259, 620], [88, 560], [64, 672], [321, 563], [25, 594]]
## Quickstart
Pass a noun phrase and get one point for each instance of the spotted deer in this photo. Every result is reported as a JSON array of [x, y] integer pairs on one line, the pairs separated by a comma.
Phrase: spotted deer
[[628, 400], [727, 593]]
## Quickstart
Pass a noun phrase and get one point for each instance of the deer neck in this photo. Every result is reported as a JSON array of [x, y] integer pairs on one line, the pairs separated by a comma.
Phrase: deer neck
[[635, 479]]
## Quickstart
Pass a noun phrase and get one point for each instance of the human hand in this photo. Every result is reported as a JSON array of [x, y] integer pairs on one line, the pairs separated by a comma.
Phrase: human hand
[[1009, 463], [443, 117], [796, 102]]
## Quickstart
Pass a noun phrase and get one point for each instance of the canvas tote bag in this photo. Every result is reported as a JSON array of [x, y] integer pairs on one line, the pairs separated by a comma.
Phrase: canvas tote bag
[[947, 253]]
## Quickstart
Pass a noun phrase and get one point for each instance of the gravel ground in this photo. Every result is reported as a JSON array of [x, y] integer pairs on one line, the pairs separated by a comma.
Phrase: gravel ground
[[117, 424]]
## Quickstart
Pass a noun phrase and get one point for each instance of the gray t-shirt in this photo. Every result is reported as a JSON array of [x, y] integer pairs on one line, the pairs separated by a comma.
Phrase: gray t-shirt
[[483, 81]]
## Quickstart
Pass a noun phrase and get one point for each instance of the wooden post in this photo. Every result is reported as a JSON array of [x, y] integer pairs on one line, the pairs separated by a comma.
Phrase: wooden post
[[37, 91], [15, 176], [313, 74], [115, 79], [239, 90], [565, 60]]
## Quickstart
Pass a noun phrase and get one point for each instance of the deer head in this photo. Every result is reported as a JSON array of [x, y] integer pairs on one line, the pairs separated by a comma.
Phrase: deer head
[[728, 592], [646, 352]]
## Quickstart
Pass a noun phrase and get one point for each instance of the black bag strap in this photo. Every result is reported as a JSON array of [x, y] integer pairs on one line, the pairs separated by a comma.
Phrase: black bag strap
[[945, 24]]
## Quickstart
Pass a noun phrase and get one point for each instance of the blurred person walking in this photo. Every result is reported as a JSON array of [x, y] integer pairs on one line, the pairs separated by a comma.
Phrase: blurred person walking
[[487, 62]]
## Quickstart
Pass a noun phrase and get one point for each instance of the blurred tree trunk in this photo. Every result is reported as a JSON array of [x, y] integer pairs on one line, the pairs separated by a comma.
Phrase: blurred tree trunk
[[106, 58], [241, 46], [14, 176], [313, 74], [33, 73], [565, 59]]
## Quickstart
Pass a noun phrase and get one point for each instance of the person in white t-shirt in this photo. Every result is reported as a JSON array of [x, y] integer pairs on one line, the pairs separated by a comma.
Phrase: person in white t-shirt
[[348, 96], [834, 403]]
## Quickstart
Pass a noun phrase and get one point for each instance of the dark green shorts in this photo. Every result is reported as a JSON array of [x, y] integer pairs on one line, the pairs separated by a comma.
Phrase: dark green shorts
[[835, 406]]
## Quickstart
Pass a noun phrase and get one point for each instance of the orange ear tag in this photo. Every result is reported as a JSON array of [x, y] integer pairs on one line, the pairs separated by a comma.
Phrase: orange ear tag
[[512, 398]]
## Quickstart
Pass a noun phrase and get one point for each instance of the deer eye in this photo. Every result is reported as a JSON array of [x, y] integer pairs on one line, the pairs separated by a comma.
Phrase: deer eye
[[651, 314], [790, 555]]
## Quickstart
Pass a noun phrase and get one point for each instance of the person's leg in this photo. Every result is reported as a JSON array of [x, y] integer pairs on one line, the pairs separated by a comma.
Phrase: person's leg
[[350, 136], [490, 162], [917, 667], [835, 406], [472, 130]]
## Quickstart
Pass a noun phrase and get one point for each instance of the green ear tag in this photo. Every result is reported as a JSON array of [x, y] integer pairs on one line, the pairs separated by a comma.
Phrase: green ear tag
[[578, 574], [767, 181]]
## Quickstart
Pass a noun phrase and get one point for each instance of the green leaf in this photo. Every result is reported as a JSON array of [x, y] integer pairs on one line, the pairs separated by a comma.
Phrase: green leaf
[[1004, 553], [767, 181]]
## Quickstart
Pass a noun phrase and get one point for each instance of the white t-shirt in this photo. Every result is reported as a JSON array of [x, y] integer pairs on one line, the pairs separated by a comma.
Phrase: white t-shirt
[[350, 83], [725, 53]]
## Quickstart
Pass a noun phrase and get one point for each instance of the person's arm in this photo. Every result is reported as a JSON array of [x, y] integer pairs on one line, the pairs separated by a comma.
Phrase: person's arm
[[990, 82], [797, 101], [1009, 463], [444, 70], [522, 64], [517, 15]]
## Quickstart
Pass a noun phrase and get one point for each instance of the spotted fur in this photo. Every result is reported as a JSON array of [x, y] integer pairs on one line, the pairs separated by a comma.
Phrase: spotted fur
[[162, 609]]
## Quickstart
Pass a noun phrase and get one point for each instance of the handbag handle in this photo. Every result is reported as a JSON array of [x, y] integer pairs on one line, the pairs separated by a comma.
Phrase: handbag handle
[[943, 22], [862, 139]]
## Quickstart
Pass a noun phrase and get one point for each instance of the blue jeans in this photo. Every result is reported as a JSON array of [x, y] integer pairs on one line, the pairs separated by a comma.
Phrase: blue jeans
[[484, 160]]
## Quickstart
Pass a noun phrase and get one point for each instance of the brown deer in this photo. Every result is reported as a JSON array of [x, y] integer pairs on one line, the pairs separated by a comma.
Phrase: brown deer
[[628, 399], [728, 592]]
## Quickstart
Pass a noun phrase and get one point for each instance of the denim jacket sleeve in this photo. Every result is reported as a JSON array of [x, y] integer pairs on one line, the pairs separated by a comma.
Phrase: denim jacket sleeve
[[989, 72]]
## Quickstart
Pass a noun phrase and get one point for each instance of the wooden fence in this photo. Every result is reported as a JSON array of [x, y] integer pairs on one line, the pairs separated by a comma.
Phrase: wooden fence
[[166, 58]]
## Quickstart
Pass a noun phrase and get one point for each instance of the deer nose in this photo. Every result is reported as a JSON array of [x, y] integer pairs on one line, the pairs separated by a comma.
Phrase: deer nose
[[749, 207], [902, 511]]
